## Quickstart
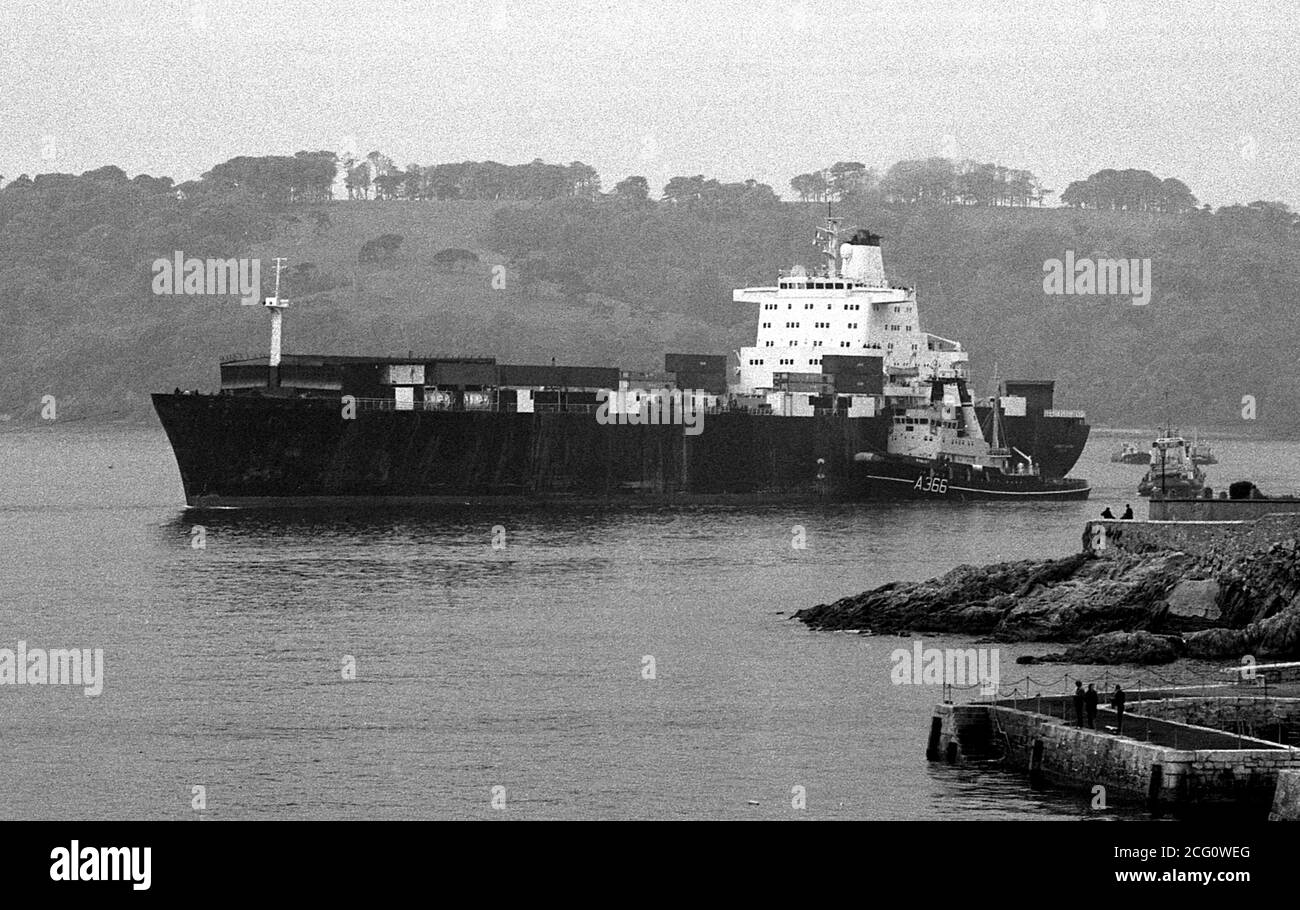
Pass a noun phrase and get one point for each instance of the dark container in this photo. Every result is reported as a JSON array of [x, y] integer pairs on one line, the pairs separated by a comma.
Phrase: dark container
[[1038, 394]]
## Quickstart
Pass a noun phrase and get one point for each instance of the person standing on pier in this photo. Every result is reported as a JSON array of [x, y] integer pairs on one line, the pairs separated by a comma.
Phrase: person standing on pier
[[1078, 703], [1090, 702], [1117, 702]]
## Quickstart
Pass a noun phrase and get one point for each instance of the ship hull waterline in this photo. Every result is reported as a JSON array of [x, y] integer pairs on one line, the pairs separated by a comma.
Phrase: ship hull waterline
[[263, 452]]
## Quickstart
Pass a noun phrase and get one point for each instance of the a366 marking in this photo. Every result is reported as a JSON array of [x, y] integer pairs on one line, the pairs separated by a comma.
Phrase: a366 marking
[[932, 485]]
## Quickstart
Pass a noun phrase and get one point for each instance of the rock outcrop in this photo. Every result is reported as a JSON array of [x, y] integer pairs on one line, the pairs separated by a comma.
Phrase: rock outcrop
[[1119, 648], [1117, 607]]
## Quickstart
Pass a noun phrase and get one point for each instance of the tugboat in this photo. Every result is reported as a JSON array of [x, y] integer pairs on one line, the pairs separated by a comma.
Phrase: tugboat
[[937, 450], [1172, 474], [1131, 454]]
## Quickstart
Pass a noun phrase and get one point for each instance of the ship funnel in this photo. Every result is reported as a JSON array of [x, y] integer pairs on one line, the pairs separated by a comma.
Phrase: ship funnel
[[862, 261]]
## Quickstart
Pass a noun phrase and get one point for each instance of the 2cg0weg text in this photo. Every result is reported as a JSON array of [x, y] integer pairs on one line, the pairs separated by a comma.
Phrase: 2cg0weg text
[[1189, 852]]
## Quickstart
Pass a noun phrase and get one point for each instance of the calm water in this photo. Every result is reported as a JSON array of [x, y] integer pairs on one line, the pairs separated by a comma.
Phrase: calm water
[[477, 667]]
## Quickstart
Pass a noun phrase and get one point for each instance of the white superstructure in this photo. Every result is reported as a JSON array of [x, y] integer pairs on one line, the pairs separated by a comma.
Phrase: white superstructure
[[851, 309]]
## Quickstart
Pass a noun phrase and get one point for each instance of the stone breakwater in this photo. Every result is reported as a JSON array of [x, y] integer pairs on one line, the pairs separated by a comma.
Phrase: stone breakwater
[[1137, 593]]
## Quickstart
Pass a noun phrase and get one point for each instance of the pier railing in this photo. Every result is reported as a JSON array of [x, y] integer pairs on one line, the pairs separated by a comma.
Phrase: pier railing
[[1054, 697]]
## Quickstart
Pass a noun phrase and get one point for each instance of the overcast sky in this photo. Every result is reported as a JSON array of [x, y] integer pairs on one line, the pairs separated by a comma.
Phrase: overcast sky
[[1203, 91]]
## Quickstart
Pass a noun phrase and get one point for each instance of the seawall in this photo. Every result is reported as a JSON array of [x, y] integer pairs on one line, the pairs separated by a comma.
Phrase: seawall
[[1218, 509], [1199, 538]]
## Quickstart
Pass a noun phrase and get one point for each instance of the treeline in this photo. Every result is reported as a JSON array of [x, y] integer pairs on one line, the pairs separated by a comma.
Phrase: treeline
[[312, 176], [485, 180], [1129, 190], [922, 181], [275, 179], [107, 174]]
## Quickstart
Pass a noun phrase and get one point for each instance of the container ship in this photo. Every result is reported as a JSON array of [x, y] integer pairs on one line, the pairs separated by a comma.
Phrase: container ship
[[802, 414]]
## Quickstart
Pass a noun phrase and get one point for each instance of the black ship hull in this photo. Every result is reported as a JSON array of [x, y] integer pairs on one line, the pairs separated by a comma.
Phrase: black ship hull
[[264, 451], [1054, 442], [909, 479], [269, 451]]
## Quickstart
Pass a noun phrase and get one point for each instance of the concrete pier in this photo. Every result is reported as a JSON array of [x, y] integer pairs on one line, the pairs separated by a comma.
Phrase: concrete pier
[[1165, 763]]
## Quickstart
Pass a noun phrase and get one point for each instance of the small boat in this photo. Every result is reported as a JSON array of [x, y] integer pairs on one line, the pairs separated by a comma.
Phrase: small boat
[[1201, 452], [1172, 474], [1131, 454]]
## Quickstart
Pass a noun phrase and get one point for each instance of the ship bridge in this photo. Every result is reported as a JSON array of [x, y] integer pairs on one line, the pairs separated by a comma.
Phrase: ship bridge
[[851, 309]]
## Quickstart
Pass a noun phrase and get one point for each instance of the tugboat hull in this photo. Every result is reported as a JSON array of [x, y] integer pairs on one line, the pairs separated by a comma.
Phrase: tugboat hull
[[1182, 488], [900, 480]]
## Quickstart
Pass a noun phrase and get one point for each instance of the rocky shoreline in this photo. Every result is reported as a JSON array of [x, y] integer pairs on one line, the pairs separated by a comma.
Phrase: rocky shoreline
[[1146, 605]]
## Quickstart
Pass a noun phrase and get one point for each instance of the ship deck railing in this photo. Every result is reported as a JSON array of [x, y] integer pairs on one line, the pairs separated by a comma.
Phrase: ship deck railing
[[540, 408], [390, 404]]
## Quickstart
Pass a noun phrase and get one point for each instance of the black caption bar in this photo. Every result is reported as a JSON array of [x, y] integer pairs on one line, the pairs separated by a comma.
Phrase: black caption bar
[[333, 859]]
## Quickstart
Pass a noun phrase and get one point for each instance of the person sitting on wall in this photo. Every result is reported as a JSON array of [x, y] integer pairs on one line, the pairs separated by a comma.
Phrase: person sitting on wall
[[1107, 513], [1128, 513]]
